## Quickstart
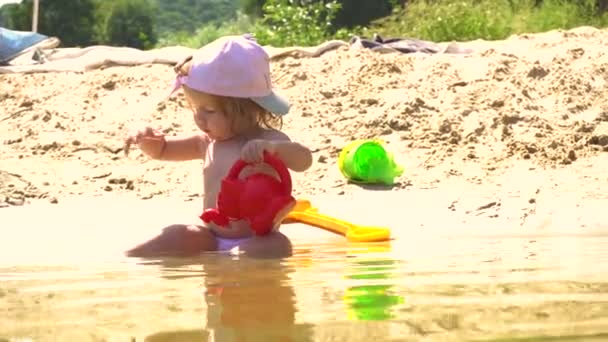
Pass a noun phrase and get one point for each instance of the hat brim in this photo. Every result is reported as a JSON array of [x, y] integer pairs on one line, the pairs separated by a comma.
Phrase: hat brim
[[273, 103]]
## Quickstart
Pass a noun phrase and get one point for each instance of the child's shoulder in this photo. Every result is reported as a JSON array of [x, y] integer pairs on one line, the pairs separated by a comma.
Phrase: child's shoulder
[[273, 134]]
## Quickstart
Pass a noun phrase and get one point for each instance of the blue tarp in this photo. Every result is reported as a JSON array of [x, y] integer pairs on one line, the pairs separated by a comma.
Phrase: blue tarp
[[14, 43]]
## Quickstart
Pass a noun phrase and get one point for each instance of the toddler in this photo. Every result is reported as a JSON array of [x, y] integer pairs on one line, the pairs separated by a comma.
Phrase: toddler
[[227, 84]]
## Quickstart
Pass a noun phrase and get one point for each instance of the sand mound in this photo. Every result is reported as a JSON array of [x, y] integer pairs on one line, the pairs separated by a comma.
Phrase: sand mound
[[539, 98]]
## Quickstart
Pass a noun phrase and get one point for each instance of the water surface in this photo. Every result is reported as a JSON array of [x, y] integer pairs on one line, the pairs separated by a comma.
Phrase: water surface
[[71, 282]]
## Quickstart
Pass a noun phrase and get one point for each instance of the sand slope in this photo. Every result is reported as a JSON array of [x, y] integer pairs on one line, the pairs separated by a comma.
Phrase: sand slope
[[532, 101]]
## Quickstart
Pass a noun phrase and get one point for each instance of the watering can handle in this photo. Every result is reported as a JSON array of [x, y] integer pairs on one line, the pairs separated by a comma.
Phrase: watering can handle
[[271, 160]]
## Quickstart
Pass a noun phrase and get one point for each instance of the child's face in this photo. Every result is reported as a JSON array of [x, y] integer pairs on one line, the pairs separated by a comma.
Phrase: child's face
[[210, 118]]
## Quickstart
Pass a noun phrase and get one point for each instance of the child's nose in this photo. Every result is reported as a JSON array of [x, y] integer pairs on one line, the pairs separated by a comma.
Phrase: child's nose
[[203, 125], [200, 117]]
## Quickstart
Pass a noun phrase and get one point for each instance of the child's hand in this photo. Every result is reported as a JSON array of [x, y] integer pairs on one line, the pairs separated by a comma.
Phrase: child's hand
[[253, 151], [150, 141]]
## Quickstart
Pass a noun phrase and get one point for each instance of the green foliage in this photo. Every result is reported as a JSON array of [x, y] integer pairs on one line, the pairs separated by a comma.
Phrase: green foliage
[[149, 23], [208, 33], [361, 12], [253, 8], [558, 14], [5, 15], [131, 23], [189, 15], [446, 20], [288, 22], [284, 23], [71, 20], [310, 22], [352, 13]]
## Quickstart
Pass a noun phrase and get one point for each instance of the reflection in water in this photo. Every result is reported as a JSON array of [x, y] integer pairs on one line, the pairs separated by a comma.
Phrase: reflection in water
[[181, 336], [246, 300], [457, 289], [371, 302], [373, 299]]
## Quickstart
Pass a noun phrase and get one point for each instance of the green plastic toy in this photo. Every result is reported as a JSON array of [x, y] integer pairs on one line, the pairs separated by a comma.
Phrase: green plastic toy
[[367, 161]]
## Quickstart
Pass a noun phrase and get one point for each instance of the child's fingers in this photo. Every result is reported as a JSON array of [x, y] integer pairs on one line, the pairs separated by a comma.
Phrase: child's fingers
[[252, 154], [246, 154], [150, 138], [128, 142], [151, 132], [145, 135], [148, 131]]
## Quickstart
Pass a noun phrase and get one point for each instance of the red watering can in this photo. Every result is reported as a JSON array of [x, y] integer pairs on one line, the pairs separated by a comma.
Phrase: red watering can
[[260, 199]]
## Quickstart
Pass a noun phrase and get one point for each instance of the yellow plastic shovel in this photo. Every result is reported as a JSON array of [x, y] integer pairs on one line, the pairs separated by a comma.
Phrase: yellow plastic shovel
[[304, 212]]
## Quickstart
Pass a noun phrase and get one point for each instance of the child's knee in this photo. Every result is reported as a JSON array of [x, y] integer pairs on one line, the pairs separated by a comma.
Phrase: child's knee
[[273, 245], [177, 239]]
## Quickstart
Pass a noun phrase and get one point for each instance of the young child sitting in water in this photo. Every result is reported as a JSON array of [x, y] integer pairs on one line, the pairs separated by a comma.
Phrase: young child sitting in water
[[227, 84]]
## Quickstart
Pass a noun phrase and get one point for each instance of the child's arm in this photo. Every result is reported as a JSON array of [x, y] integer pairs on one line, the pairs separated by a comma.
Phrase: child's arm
[[296, 157], [179, 149]]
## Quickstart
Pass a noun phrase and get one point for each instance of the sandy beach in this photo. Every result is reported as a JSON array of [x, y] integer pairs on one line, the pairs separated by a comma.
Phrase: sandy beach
[[532, 100], [508, 143]]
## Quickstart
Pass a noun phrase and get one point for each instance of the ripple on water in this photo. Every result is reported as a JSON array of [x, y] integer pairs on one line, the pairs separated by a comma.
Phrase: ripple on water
[[453, 289]]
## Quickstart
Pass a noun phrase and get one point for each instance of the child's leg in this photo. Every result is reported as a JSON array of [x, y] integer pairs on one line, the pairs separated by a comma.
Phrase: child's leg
[[273, 245], [177, 240]]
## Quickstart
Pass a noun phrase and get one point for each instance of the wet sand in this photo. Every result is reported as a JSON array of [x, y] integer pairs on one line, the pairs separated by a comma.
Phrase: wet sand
[[446, 274]]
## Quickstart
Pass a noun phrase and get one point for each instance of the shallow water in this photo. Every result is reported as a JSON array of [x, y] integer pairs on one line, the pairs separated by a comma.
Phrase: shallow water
[[429, 285]]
